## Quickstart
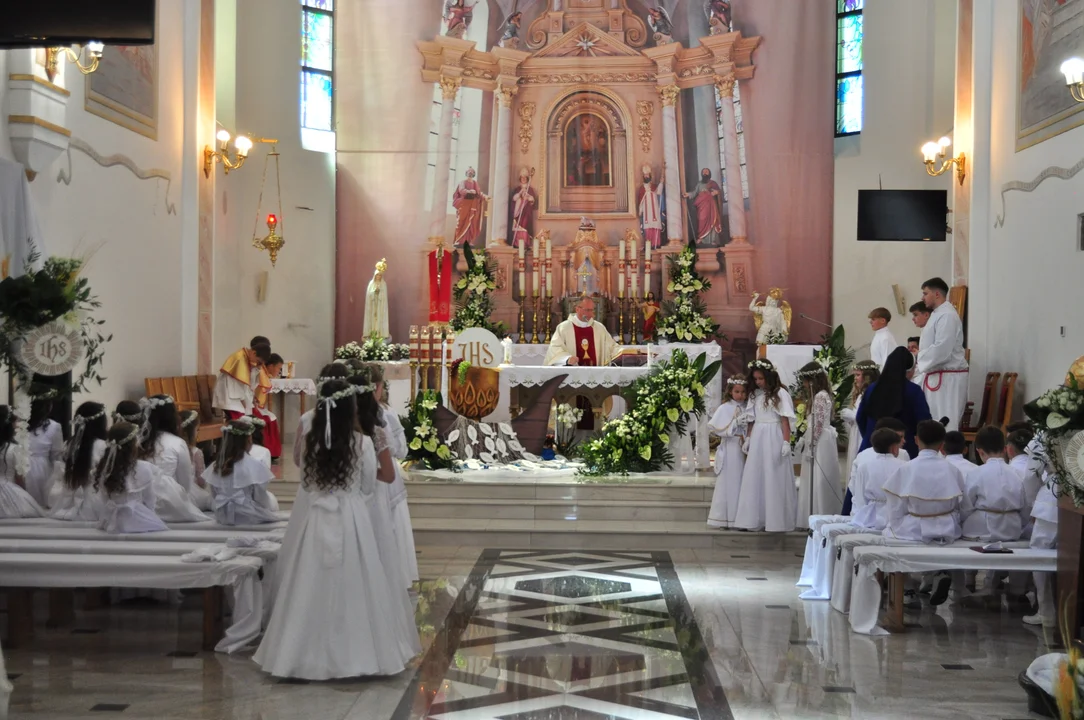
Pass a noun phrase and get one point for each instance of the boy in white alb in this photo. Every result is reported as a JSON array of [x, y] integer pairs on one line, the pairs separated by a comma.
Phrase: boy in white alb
[[1016, 450], [868, 484], [953, 450], [883, 342], [995, 492]]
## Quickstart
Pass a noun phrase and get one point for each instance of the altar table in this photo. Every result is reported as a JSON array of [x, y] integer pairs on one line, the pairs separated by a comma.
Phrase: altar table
[[301, 387], [789, 359]]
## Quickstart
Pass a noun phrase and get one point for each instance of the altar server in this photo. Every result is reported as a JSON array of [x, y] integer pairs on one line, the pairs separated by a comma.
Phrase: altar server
[[1016, 446], [728, 424], [199, 493], [768, 498], [46, 446], [239, 481], [995, 492], [953, 450], [397, 492], [127, 484], [925, 499], [1044, 531], [883, 342], [162, 446], [869, 453], [942, 365], [338, 612], [15, 501], [239, 378], [820, 491], [261, 405], [868, 483], [73, 497]]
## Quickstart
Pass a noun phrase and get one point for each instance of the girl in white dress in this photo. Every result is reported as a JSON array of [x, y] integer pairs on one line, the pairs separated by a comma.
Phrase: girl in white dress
[[865, 373], [728, 423], [73, 497], [161, 445], [397, 492], [819, 489], [15, 501], [336, 370], [257, 449], [46, 447], [338, 611], [768, 498], [239, 481], [127, 484], [198, 492]]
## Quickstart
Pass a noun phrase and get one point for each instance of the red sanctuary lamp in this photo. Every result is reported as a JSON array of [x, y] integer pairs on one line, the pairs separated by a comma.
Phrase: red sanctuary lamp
[[272, 242]]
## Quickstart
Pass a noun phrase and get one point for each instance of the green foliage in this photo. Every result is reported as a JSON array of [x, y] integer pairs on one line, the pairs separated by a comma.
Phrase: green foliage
[[659, 403], [836, 359], [685, 318], [423, 443], [473, 304]]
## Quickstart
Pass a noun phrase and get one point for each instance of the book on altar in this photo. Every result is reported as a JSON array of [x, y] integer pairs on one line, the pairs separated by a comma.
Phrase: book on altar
[[629, 357]]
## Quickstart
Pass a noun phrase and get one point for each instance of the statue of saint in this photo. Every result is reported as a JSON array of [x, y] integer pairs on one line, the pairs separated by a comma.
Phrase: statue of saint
[[458, 15], [651, 207], [707, 199], [650, 308], [469, 204], [718, 12], [661, 25], [510, 38], [772, 318], [587, 152], [523, 205], [376, 303]]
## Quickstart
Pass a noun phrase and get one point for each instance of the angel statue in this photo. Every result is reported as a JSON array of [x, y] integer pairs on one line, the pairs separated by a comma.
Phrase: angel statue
[[510, 38], [661, 25], [718, 12], [458, 15], [772, 318]]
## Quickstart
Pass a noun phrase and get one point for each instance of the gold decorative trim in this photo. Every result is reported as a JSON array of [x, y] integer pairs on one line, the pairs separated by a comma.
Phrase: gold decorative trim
[[504, 94], [34, 120], [725, 85], [26, 77], [449, 86], [645, 109], [669, 95], [526, 126]]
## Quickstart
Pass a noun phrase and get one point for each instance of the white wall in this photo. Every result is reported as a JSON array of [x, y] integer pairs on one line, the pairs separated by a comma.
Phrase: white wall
[[136, 272], [298, 314], [1025, 277], [909, 70]]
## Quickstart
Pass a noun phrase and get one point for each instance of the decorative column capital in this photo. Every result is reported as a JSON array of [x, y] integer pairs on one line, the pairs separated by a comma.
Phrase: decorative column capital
[[505, 94], [669, 95], [725, 84], [449, 86]]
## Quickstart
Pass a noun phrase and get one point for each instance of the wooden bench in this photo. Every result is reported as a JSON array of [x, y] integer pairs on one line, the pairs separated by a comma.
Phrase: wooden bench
[[191, 392]]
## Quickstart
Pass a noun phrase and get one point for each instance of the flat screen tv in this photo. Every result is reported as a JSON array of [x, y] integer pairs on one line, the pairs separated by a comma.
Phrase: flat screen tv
[[71, 22], [909, 215]]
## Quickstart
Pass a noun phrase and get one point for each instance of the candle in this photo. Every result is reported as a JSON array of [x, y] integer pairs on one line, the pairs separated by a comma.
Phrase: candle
[[621, 279], [635, 250], [635, 280], [549, 249], [621, 245], [522, 250], [534, 248], [549, 282], [522, 274], [647, 255]]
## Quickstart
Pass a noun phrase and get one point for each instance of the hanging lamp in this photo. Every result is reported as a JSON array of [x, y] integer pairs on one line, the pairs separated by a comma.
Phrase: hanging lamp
[[274, 241]]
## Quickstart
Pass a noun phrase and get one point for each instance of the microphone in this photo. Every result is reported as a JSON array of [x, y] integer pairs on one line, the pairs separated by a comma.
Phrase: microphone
[[815, 320], [944, 421]]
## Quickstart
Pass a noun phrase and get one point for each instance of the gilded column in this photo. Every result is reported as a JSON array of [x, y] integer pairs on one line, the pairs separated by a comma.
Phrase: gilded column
[[675, 228], [501, 192], [736, 204], [449, 87]]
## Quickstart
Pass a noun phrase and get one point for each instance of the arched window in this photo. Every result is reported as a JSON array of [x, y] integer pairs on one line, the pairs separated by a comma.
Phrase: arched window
[[849, 67], [317, 78]]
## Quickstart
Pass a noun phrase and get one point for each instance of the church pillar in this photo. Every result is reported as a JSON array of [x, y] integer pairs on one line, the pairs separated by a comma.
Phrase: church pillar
[[501, 191], [675, 232], [736, 206], [449, 87]]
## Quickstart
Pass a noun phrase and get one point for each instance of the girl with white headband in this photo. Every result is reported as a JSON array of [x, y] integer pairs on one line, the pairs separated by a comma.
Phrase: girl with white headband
[[72, 497], [200, 495], [46, 445], [127, 484], [728, 424], [332, 371], [338, 611], [161, 444], [239, 481], [15, 501]]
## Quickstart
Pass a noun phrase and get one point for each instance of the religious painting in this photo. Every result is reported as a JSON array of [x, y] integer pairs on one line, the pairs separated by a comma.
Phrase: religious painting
[[587, 151], [124, 88], [1050, 33]]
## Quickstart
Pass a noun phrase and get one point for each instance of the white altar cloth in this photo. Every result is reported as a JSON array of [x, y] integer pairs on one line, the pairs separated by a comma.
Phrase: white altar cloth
[[789, 359], [296, 386]]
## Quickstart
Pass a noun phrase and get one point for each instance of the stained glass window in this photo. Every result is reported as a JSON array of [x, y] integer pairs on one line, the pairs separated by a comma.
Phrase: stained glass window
[[848, 67], [317, 65]]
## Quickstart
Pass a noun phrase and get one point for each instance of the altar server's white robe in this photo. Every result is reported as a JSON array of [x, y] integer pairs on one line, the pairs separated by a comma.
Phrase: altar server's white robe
[[926, 501], [882, 346], [563, 344], [999, 506], [869, 454], [965, 466], [867, 489], [942, 365]]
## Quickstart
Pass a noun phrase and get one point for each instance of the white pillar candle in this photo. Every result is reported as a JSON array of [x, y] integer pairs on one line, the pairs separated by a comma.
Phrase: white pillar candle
[[647, 255], [621, 278], [534, 249], [621, 250], [549, 281], [635, 281], [522, 251], [549, 250], [635, 249]]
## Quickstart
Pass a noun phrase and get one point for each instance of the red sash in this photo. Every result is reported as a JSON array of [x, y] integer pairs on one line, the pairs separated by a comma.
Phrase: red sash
[[440, 287], [940, 378]]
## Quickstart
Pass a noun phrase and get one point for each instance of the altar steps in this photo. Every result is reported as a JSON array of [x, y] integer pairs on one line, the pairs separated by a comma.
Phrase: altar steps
[[578, 510]]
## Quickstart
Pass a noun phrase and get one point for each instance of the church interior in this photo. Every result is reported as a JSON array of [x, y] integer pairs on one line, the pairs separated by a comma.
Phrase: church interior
[[712, 389]]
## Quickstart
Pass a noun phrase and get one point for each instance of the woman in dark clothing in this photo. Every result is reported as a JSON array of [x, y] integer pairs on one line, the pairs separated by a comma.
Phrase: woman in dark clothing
[[893, 395]]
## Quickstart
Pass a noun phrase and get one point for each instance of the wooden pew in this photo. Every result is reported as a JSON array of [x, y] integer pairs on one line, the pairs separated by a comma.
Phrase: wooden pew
[[191, 392]]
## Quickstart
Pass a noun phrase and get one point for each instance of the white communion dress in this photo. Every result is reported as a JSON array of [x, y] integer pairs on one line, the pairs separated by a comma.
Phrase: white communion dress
[[768, 498], [132, 510], [728, 423], [82, 504], [340, 611], [14, 501], [397, 496], [242, 498], [820, 491], [46, 451]]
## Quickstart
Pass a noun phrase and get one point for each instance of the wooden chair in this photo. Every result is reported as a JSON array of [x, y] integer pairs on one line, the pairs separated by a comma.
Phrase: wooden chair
[[1004, 411], [986, 409], [957, 297], [191, 392]]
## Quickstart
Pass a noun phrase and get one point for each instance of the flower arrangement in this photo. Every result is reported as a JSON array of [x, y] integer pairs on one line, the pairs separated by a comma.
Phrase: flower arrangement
[[685, 317], [659, 403], [423, 443], [565, 422], [836, 359], [473, 305], [1058, 415], [374, 349], [54, 293]]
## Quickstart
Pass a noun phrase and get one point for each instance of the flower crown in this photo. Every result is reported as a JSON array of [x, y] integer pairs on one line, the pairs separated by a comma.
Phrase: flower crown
[[135, 418], [342, 394], [735, 381], [50, 394], [242, 429], [866, 365], [762, 364], [806, 374], [190, 420], [83, 420], [255, 421], [151, 403], [124, 440]]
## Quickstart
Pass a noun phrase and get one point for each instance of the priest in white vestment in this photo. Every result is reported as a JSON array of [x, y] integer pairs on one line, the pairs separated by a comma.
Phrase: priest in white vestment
[[942, 366], [18, 221], [581, 340]]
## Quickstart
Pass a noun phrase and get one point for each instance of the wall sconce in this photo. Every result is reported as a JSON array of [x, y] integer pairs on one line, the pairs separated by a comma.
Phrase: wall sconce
[[241, 144], [935, 151], [1073, 69], [52, 59]]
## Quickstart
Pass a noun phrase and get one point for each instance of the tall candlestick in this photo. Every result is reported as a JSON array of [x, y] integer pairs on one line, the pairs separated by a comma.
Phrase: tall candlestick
[[647, 254], [549, 280], [635, 249], [549, 249], [621, 278], [534, 248], [534, 280], [522, 274], [522, 250], [635, 279], [621, 253]]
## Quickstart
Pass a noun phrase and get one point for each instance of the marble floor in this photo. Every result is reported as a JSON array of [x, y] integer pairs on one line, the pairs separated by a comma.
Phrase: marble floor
[[561, 635]]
